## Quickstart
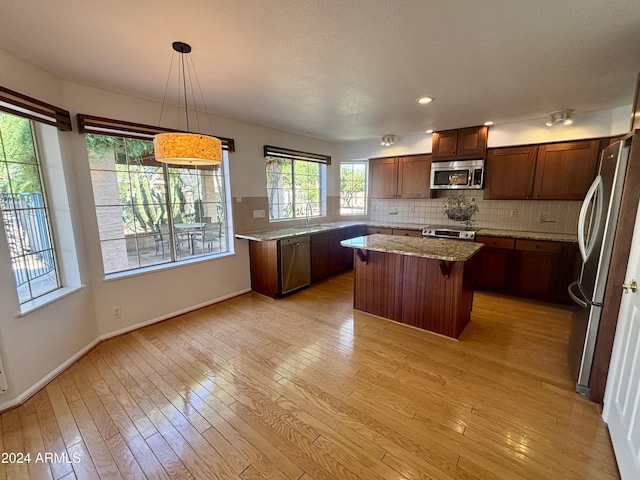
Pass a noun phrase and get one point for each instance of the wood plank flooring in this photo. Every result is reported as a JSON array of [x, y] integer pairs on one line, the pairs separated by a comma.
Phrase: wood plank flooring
[[302, 389]]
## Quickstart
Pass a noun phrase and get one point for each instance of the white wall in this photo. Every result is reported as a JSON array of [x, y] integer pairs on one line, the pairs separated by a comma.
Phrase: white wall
[[35, 345]]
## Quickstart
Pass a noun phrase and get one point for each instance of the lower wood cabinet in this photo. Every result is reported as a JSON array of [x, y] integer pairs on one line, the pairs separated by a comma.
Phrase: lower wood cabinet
[[328, 257], [394, 231], [529, 268]]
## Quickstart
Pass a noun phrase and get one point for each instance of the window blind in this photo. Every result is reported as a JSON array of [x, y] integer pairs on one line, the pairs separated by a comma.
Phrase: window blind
[[278, 152], [27, 107], [139, 131]]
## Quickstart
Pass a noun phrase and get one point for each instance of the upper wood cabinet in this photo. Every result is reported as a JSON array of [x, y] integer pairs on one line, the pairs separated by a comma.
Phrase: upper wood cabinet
[[509, 173], [400, 177], [556, 171], [461, 143], [565, 170]]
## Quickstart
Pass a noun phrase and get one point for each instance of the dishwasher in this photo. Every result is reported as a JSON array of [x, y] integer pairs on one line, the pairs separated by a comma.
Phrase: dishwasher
[[295, 263]]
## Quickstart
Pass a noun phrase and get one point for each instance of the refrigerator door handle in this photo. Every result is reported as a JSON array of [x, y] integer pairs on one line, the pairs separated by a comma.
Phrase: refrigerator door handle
[[574, 297], [595, 191]]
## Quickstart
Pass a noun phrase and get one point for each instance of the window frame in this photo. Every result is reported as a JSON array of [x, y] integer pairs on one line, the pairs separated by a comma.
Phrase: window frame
[[166, 173], [293, 156], [365, 212]]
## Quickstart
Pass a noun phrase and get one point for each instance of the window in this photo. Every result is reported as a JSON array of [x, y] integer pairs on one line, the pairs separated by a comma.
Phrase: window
[[151, 213], [295, 183], [25, 214], [353, 188]]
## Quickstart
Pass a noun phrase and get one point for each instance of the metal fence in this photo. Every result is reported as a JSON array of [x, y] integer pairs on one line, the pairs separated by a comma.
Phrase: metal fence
[[25, 224]]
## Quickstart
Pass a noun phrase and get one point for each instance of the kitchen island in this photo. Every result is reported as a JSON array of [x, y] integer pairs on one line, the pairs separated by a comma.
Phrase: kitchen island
[[426, 283]]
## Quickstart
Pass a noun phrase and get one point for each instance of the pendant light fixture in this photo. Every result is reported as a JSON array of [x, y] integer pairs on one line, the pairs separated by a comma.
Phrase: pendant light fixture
[[185, 148]]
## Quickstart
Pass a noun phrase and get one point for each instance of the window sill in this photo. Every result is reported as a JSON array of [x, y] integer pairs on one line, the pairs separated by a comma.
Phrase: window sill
[[165, 266], [37, 303]]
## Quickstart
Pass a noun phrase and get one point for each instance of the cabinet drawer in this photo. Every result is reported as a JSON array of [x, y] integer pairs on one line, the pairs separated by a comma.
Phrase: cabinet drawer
[[386, 231], [407, 232], [496, 242], [538, 246]]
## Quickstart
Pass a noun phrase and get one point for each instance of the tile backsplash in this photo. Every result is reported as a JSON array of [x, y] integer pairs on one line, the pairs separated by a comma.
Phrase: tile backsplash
[[528, 215]]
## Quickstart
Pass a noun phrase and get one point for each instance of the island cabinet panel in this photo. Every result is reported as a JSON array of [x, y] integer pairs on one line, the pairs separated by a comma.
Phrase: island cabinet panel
[[433, 301], [378, 285], [263, 257]]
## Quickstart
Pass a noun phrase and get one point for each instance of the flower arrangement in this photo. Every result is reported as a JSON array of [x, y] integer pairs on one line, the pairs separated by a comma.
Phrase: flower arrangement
[[460, 208]]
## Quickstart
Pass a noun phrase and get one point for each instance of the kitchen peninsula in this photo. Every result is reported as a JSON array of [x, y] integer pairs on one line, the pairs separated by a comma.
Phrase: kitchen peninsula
[[426, 283]]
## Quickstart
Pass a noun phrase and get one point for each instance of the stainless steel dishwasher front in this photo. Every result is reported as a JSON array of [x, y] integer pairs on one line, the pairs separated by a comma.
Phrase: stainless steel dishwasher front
[[295, 263]]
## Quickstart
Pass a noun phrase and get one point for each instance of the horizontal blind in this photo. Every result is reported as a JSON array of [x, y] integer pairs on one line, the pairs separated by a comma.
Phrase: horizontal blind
[[27, 107], [278, 152], [139, 131]]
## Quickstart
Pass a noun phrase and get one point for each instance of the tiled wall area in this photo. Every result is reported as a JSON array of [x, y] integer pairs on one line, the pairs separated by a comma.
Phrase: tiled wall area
[[527, 215]]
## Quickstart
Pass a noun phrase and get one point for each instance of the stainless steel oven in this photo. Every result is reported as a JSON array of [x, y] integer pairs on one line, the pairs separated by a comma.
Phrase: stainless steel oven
[[461, 174], [451, 232]]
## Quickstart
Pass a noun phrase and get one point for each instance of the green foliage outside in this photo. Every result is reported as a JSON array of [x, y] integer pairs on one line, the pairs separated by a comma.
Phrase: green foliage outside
[[353, 179], [291, 186], [17, 148]]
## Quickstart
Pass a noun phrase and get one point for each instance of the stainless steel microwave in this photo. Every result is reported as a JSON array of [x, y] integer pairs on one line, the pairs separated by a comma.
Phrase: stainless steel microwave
[[460, 174]]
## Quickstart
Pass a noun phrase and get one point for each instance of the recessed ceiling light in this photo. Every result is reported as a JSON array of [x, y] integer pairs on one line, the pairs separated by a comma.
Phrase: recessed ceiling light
[[424, 100], [488, 123], [429, 131]]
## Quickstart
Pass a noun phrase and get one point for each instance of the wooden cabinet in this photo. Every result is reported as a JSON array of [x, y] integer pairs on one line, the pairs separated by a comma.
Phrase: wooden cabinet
[[564, 171], [509, 173], [394, 231], [400, 177], [383, 174], [468, 142], [495, 262], [265, 272], [528, 268], [328, 257], [558, 171]]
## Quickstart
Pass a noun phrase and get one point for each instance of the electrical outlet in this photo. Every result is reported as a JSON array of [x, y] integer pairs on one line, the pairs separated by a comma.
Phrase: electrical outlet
[[115, 312], [258, 214], [513, 212], [412, 209]]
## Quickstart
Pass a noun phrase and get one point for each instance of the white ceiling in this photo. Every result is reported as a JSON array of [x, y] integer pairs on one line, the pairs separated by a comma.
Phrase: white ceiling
[[346, 69]]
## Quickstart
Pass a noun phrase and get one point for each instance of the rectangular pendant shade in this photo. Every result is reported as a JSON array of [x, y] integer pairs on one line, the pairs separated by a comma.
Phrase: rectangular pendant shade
[[187, 149]]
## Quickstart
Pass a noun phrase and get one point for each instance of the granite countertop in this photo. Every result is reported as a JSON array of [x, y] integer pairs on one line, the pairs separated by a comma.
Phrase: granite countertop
[[280, 233], [437, 249], [549, 236], [289, 232]]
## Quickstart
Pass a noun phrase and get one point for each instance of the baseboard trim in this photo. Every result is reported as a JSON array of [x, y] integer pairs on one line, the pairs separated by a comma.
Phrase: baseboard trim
[[27, 394]]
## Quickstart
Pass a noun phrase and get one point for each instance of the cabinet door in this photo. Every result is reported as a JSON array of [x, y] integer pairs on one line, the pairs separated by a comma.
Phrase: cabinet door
[[537, 266], [472, 142], [444, 144], [320, 256], [564, 171], [414, 176], [385, 231], [495, 263], [384, 177], [509, 173]]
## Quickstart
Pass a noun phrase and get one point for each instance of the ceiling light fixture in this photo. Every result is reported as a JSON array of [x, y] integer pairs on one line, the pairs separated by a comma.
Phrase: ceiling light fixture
[[388, 140], [488, 124], [424, 100], [429, 131], [560, 116], [185, 148]]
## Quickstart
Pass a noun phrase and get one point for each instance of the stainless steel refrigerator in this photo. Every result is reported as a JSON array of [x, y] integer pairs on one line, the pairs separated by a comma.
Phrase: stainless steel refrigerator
[[596, 231]]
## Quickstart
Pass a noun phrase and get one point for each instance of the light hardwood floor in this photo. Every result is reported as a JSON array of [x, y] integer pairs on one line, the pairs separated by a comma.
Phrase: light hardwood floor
[[301, 388]]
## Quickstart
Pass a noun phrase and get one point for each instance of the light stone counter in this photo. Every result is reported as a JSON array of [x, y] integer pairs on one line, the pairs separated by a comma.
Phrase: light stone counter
[[446, 250], [553, 237]]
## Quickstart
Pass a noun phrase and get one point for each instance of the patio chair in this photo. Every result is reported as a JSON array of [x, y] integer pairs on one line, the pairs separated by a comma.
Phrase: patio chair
[[211, 232], [160, 237]]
